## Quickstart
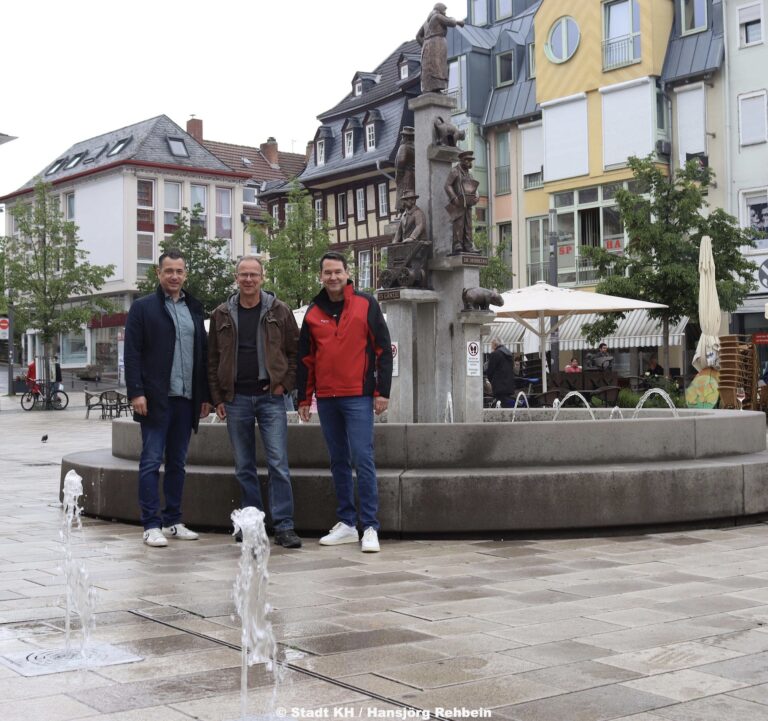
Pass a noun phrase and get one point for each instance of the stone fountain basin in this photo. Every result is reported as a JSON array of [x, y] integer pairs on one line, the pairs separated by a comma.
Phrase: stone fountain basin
[[530, 474]]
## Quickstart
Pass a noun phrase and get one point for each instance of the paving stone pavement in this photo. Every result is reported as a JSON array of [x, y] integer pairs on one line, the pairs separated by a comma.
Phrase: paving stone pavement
[[644, 626]]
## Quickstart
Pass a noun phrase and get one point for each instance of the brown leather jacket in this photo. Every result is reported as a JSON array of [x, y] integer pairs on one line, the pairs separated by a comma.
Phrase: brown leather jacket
[[278, 339]]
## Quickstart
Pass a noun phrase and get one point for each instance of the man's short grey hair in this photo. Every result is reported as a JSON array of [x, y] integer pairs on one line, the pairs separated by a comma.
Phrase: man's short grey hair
[[249, 257], [495, 342]]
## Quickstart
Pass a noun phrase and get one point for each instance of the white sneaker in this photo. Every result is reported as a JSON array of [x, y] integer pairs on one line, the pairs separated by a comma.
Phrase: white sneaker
[[370, 541], [340, 533], [181, 532], [153, 537]]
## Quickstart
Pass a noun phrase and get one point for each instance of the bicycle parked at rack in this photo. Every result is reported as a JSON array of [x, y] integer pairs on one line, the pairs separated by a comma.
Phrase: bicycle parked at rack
[[44, 396]]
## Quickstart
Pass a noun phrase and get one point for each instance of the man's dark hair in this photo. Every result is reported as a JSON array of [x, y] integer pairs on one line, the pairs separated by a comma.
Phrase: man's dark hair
[[333, 255], [173, 254]]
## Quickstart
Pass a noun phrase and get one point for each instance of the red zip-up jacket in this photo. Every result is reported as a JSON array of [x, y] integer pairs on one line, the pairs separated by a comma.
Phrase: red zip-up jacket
[[351, 357]]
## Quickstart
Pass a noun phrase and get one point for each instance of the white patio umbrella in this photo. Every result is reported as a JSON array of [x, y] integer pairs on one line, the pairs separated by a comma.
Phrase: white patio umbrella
[[540, 301], [708, 348]]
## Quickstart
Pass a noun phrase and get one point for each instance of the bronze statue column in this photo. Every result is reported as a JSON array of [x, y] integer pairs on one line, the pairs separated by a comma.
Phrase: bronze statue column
[[405, 166], [434, 49], [412, 221], [461, 189]]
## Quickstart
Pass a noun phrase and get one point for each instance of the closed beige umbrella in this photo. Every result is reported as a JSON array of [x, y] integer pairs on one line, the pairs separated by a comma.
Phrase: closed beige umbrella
[[708, 349]]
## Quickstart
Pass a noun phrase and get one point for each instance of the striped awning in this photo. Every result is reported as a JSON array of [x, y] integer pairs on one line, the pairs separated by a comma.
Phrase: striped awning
[[635, 329]]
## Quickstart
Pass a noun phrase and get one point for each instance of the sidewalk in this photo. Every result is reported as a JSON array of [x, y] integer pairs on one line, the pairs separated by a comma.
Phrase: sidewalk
[[643, 626]]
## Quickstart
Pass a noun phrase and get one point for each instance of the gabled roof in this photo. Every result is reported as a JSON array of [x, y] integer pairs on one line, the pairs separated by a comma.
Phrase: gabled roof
[[695, 54], [147, 142], [291, 164], [389, 83]]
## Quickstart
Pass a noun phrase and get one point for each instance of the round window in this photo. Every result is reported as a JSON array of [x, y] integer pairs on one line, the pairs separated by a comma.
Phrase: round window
[[563, 40]]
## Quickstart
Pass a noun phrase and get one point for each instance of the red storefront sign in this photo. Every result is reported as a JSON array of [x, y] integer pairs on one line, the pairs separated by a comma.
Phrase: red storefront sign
[[760, 338]]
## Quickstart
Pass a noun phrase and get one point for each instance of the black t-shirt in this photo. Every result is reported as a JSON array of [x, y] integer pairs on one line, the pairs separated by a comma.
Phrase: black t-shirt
[[247, 380], [336, 306]]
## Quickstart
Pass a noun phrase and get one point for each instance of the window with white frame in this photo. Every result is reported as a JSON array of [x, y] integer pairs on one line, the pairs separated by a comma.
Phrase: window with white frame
[[566, 138], [505, 68], [691, 121], [532, 60], [479, 12], [358, 88], [383, 191], [178, 147], [563, 40], [74, 160], [69, 206], [320, 155], [199, 197], [224, 213], [621, 33], [403, 71], [628, 119], [341, 209], [370, 136], [755, 209], [172, 206], [503, 9], [457, 70], [750, 24], [502, 184], [693, 15], [349, 143], [318, 212], [364, 279], [360, 204], [290, 211], [753, 118], [532, 141], [276, 212], [250, 193], [145, 207]]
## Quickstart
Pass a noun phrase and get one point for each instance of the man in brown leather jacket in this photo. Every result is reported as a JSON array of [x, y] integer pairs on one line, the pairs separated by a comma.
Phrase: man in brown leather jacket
[[252, 346]]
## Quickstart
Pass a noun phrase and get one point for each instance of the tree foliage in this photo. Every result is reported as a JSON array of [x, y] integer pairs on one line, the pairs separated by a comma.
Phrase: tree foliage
[[210, 271], [496, 274], [665, 221], [294, 250], [46, 271]]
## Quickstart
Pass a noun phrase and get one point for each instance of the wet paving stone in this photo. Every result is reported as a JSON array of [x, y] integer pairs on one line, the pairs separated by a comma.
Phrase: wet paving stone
[[352, 641]]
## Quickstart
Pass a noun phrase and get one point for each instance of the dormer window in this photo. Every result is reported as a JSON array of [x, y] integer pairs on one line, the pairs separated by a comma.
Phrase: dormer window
[[118, 147], [178, 147], [74, 161], [358, 88], [693, 16], [56, 166], [505, 68], [479, 12], [403, 71], [370, 136], [320, 152], [349, 143], [532, 60]]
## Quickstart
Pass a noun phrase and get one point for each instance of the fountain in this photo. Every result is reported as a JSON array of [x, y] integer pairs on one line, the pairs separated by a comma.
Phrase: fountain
[[656, 392], [79, 597], [568, 396]]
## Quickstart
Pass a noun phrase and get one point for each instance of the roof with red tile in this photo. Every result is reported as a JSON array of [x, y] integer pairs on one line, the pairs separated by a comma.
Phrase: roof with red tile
[[245, 158]]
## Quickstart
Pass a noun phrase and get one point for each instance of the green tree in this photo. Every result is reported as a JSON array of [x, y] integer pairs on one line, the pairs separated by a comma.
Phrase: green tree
[[496, 274], [294, 250], [210, 271], [664, 219], [46, 271]]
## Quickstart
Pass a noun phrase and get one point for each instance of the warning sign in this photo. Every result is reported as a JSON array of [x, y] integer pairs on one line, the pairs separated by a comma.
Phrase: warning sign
[[395, 359], [5, 324], [474, 359]]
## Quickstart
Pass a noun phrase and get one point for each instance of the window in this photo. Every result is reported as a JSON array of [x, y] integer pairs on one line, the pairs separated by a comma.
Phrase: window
[[479, 10], [538, 249], [693, 15], [566, 144], [403, 71], [756, 207], [249, 195], [290, 211], [96, 154], [503, 9], [753, 120], [56, 166], [629, 114], [563, 40], [341, 209], [199, 195], [456, 73], [318, 212], [349, 143], [532, 142], [145, 205], [364, 269], [383, 191], [505, 68], [505, 242], [502, 163], [69, 206], [360, 205], [145, 247], [621, 33], [178, 147], [224, 213], [119, 146], [276, 212], [320, 152], [358, 88], [74, 160], [370, 136], [691, 121], [532, 60], [172, 207], [750, 25]]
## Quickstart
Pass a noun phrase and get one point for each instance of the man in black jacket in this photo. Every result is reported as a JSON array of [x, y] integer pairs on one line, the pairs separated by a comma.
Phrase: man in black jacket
[[501, 373], [167, 381]]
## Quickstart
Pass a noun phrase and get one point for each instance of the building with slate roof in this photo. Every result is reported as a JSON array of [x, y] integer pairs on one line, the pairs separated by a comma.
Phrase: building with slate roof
[[350, 163], [124, 190]]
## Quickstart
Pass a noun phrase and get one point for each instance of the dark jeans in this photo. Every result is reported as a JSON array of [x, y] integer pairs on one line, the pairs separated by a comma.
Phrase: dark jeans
[[347, 425], [269, 411], [170, 438]]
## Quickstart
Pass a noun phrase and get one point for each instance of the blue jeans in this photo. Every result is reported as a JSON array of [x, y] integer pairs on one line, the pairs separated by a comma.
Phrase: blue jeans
[[170, 439], [269, 411], [347, 425]]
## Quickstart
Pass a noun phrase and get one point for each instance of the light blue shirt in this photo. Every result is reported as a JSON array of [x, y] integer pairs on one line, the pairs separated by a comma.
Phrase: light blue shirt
[[184, 348]]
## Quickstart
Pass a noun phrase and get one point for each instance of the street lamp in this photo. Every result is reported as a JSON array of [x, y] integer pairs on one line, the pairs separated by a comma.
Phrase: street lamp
[[554, 336]]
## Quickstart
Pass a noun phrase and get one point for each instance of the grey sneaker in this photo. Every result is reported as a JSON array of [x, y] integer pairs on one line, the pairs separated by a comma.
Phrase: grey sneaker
[[181, 532], [153, 537], [370, 541], [340, 533]]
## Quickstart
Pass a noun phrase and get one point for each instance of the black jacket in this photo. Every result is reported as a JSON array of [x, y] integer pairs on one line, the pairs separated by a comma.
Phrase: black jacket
[[150, 338], [501, 371]]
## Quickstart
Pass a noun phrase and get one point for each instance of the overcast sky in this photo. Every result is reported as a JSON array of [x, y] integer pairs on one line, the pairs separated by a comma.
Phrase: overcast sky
[[73, 70]]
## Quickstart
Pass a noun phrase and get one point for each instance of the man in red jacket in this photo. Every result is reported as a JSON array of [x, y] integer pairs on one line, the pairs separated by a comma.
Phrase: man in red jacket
[[345, 359]]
